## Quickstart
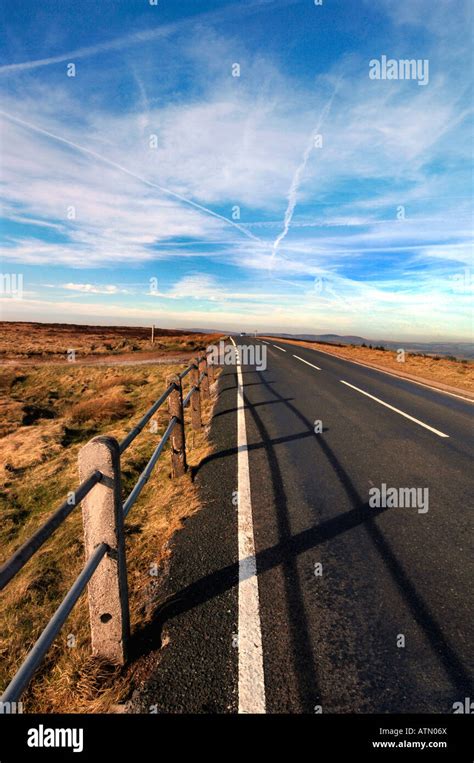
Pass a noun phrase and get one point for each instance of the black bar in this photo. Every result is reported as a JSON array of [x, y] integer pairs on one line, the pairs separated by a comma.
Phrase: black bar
[[329, 737]]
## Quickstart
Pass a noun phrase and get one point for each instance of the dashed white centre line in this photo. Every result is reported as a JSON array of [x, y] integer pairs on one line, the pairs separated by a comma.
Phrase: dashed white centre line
[[307, 362], [251, 684], [264, 342], [397, 410], [279, 348], [397, 376]]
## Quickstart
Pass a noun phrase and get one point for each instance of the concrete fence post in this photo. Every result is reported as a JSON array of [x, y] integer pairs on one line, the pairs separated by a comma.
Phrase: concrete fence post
[[102, 517], [196, 422], [205, 379], [178, 442]]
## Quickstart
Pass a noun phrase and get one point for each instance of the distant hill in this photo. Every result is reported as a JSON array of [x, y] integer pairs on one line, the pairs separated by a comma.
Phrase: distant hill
[[457, 349], [204, 331]]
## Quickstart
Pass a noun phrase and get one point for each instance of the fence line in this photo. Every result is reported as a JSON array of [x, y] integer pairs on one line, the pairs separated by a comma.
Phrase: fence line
[[35, 656], [103, 517], [26, 551], [145, 475]]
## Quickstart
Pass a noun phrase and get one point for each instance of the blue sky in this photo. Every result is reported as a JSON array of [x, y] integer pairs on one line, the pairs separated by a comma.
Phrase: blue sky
[[155, 186]]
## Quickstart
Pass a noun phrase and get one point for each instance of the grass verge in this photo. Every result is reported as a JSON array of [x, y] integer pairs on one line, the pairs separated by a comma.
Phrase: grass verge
[[50, 413]]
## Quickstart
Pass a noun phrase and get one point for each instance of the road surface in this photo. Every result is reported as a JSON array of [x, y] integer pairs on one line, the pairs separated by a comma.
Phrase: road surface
[[352, 608]]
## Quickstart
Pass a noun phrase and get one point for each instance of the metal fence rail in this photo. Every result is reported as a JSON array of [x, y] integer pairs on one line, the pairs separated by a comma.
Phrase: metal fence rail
[[23, 676], [146, 473], [144, 421], [26, 551], [103, 514]]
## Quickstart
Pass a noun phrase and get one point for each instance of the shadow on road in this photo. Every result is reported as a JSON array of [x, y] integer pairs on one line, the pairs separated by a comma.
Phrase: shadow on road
[[285, 553], [440, 645]]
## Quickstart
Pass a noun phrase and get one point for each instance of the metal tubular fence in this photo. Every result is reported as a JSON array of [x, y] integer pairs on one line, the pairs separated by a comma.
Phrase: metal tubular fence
[[23, 676], [146, 473], [102, 507], [26, 551], [144, 421]]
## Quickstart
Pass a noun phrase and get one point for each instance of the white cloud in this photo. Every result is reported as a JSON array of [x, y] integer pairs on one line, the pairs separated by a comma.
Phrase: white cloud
[[229, 142], [88, 288]]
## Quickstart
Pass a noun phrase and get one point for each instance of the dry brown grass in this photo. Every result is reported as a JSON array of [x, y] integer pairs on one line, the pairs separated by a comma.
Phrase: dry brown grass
[[52, 342], [28, 447], [455, 374], [109, 407], [41, 467]]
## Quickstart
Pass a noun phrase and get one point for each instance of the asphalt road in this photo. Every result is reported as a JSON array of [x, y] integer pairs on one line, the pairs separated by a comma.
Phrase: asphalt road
[[360, 609]]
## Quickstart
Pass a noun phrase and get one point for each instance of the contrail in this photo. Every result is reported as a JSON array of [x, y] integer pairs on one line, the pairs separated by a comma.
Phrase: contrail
[[146, 35], [103, 47], [295, 183], [145, 104], [111, 163]]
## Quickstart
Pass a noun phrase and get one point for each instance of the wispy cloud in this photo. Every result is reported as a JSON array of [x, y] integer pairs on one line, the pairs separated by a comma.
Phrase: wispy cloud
[[159, 32], [89, 288], [232, 186]]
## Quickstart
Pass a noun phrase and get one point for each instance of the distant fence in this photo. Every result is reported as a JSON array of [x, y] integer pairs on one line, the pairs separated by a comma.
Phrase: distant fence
[[103, 514]]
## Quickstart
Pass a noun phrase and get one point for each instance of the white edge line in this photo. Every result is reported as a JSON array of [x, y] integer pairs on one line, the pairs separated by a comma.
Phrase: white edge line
[[307, 362], [251, 682], [397, 410], [390, 373], [279, 348]]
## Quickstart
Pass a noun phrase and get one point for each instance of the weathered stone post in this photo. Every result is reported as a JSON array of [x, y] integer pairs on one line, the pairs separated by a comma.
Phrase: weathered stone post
[[195, 400], [102, 517], [205, 378], [177, 439]]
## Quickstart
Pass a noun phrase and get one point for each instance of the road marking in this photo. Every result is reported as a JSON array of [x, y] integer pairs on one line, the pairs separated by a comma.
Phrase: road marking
[[279, 348], [397, 410], [397, 376], [250, 653], [264, 342], [307, 362]]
